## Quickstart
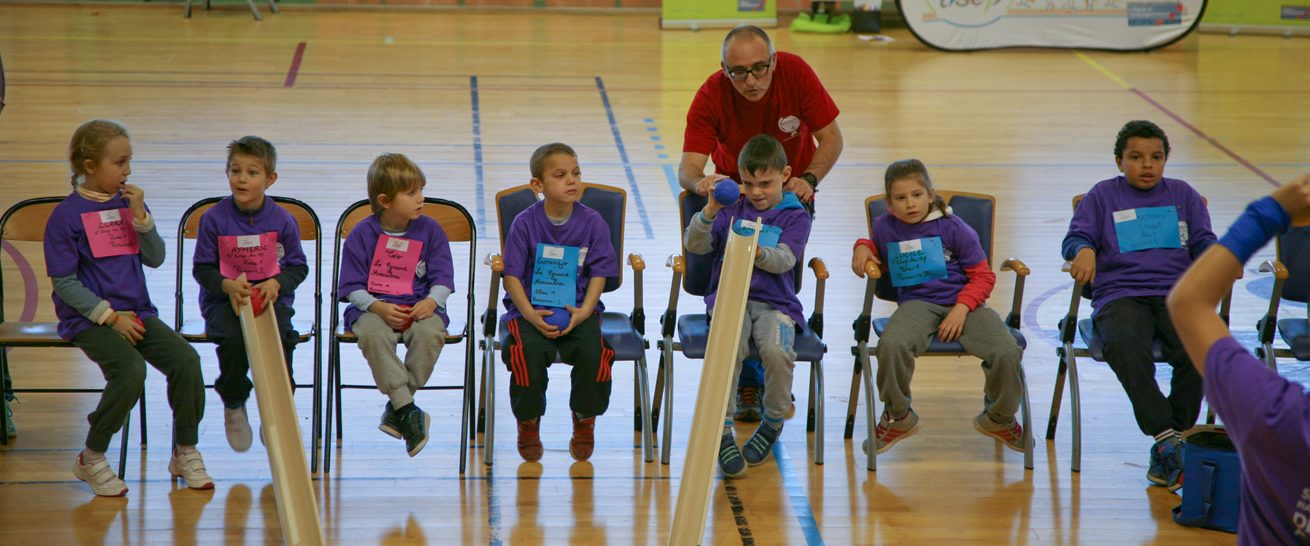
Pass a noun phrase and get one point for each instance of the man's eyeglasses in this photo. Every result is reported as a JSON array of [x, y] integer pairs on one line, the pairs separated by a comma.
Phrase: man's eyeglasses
[[759, 70]]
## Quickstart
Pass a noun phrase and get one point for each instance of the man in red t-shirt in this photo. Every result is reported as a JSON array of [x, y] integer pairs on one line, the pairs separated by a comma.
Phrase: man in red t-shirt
[[759, 90]]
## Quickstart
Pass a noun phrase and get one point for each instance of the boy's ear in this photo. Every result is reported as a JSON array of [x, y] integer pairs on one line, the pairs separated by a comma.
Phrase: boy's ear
[[537, 185], [272, 177], [384, 200], [786, 174]]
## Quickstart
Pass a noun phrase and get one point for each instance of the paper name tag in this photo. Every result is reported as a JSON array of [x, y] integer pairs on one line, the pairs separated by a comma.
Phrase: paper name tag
[[254, 255], [555, 276], [394, 266], [111, 233], [916, 261], [1146, 228]]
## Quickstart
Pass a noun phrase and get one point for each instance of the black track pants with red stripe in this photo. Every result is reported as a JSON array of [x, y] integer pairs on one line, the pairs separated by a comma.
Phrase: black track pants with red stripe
[[527, 354]]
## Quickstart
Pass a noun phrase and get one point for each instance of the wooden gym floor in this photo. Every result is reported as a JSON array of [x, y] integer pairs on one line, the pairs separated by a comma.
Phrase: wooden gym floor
[[469, 95]]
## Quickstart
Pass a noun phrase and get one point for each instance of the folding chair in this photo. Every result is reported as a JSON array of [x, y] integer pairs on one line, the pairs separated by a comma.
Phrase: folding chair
[[979, 211], [459, 227], [1094, 347], [25, 222], [194, 330], [1291, 272], [625, 333], [692, 272]]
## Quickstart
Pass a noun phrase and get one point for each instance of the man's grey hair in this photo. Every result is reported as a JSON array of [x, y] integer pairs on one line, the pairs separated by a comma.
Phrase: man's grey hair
[[742, 32]]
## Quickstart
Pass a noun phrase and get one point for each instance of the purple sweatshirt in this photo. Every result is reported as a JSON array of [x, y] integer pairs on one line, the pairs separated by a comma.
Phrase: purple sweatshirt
[[959, 243], [1150, 272], [1268, 419], [120, 280], [585, 229], [225, 219], [776, 289], [434, 267]]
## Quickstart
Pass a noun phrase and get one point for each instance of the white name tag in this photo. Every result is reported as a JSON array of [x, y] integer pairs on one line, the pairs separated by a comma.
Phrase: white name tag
[[552, 252], [110, 216], [911, 246], [248, 241], [398, 244], [1125, 215]]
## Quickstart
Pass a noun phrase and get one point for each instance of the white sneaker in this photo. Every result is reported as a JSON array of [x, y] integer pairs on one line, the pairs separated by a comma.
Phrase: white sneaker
[[102, 480], [190, 467], [237, 424]]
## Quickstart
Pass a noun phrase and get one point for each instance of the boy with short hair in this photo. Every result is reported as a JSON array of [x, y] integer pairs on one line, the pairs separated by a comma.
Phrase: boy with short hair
[[246, 242], [557, 225], [773, 312]]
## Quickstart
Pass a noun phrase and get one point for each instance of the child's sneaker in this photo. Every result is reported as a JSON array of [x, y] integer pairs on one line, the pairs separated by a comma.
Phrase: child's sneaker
[[750, 406], [530, 440], [102, 480], [584, 437], [1166, 466], [237, 425], [390, 422], [890, 431], [757, 448], [11, 429], [414, 425], [1010, 434], [189, 466], [730, 461]]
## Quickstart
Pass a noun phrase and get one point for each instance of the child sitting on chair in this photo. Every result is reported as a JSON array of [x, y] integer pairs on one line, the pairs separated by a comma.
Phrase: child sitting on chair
[[945, 295], [397, 272], [1117, 247], [557, 243], [773, 312]]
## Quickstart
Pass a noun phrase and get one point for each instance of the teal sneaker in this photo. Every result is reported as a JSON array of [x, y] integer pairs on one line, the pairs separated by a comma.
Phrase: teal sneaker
[[757, 448], [730, 461]]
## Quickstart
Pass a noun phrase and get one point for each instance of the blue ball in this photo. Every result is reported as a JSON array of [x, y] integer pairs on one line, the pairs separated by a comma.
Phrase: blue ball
[[560, 319], [726, 192]]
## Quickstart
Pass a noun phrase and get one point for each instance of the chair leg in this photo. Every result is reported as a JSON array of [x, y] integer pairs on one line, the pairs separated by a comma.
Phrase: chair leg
[[871, 415], [1077, 411], [466, 409], [643, 397], [142, 409], [657, 400], [489, 393], [1027, 421], [1058, 395], [817, 402], [272, 6], [852, 403], [332, 369], [809, 407], [637, 416], [482, 397], [316, 441], [187, 13], [254, 11], [4, 415], [122, 448], [666, 365]]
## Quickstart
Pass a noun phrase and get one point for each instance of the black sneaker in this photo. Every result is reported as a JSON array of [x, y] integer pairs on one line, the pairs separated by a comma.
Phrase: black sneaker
[[730, 461], [757, 448], [390, 422], [414, 427]]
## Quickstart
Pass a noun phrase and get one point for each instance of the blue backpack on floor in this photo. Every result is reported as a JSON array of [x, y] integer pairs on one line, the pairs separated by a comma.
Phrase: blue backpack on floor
[[1212, 477]]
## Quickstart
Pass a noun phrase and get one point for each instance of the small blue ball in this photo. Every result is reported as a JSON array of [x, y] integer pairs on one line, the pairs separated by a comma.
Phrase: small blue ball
[[560, 318], [726, 192]]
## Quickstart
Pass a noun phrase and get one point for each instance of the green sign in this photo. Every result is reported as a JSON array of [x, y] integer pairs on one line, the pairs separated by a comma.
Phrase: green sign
[[698, 14], [1258, 13]]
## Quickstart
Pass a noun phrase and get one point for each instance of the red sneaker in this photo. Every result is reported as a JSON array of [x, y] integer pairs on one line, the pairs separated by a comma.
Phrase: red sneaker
[[530, 440], [584, 437]]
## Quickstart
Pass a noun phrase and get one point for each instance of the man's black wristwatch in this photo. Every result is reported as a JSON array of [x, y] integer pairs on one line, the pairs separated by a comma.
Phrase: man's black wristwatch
[[811, 179]]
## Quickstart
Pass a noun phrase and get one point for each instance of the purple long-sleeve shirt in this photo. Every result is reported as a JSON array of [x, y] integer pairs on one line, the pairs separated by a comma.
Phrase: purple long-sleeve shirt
[[1150, 272], [959, 243], [120, 280], [435, 266], [225, 219], [585, 229], [1268, 419], [776, 289]]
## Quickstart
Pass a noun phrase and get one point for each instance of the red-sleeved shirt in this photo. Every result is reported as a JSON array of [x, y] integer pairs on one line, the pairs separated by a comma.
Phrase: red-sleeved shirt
[[720, 120]]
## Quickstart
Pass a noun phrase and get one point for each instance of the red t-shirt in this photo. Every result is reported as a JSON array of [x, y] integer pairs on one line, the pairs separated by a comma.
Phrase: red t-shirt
[[720, 120]]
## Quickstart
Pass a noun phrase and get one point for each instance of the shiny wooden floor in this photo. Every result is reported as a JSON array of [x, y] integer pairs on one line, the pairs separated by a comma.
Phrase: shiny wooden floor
[[469, 95]]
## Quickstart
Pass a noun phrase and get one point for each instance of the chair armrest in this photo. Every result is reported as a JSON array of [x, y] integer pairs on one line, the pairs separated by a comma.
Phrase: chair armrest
[[821, 278], [489, 318], [1069, 324], [1021, 272], [1276, 267], [872, 271], [669, 319], [1267, 324], [1066, 267], [638, 316], [636, 261], [863, 323]]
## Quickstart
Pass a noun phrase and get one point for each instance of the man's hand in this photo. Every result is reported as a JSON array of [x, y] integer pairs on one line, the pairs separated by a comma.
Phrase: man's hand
[[706, 185], [800, 187]]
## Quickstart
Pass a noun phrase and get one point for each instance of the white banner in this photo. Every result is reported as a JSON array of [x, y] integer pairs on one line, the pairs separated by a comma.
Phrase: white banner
[[964, 25]]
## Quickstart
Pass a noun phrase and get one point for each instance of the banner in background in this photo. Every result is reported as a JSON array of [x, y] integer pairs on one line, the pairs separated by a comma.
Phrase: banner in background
[[1267, 15], [965, 25], [698, 14]]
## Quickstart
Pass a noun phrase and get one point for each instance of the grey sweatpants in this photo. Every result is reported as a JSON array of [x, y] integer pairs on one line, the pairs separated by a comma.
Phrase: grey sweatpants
[[984, 335], [423, 342], [775, 336]]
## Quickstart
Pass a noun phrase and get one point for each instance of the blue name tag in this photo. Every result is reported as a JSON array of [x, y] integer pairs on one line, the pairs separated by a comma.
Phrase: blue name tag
[[555, 276], [1146, 228], [916, 261], [769, 235]]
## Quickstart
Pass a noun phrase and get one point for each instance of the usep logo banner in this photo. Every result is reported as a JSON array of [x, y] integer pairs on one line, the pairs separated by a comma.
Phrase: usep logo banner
[[965, 25]]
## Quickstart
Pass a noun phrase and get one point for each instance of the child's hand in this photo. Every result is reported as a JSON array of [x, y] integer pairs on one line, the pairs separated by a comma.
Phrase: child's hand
[[711, 209], [136, 200], [576, 316], [269, 290], [706, 185], [861, 256], [394, 315], [128, 326], [423, 309], [1294, 197], [953, 325], [537, 317], [1083, 268], [238, 292]]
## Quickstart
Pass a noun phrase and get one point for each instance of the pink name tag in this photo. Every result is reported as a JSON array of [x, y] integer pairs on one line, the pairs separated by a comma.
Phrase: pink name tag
[[254, 255], [110, 232], [395, 261]]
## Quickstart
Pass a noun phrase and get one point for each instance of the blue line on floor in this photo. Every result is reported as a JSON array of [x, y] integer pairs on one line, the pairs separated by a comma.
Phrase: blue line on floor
[[623, 156], [796, 494], [477, 156]]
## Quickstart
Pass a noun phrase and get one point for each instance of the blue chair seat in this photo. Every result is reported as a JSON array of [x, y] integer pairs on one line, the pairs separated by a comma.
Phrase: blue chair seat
[[1096, 345], [694, 333], [1296, 334], [939, 346], [614, 327]]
